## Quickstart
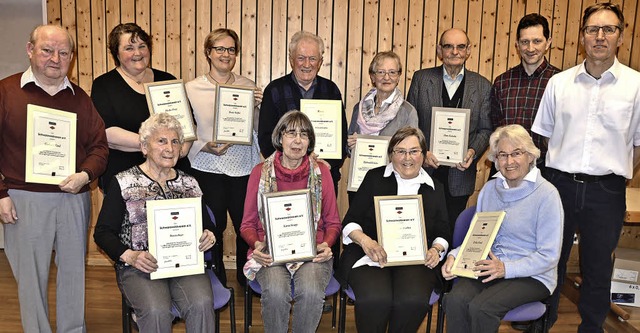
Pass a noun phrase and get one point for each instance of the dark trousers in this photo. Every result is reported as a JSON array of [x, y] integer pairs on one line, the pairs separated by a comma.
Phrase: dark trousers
[[395, 296], [455, 205], [596, 210], [476, 307], [224, 194]]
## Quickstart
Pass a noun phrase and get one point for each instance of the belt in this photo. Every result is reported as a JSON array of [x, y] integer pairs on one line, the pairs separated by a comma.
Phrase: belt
[[584, 178]]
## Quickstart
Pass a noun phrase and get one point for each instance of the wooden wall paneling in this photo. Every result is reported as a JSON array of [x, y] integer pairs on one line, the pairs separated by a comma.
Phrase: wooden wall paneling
[[385, 25], [98, 33], [485, 66], [68, 14], [219, 14], [635, 44], [158, 32], [572, 28], [325, 31], [112, 18], [83, 41], [127, 11], [518, 10], [558, 21], [430, 34], [283, 16], [54, 14], [249, 24], [143, 14], [354, 40], [412, 62], [269, 23], [203, 28], [474, 31], [629, 11], [461, 14], [234, 19], [172, 38], [546, 10], [532, 6], [369, 43], [294, 24], [503, 32], [400, 38], [310, 16], [188, 39]]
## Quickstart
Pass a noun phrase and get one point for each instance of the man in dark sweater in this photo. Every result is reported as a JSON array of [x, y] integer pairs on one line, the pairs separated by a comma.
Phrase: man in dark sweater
[[50, 213]]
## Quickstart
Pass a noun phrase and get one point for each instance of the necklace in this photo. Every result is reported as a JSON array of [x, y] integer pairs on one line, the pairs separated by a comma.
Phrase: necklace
[[139, 82], [225, 82]]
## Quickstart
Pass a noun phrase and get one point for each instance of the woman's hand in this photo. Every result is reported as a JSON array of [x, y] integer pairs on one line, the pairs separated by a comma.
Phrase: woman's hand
[[493, 267], [351, 141], [206, 240], [323, 252], [216, 149], [446, 268], [259, 256], [142, 260], [466, 162], [431, 160], [374, 251], [433, 258], [257, 95]]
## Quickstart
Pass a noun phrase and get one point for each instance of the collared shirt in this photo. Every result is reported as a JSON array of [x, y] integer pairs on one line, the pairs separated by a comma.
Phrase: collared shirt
[[516, 95], [405, 187], [592, 124], [387, 101], [450, 83], [306, 94], [28, 77], [531, 176]]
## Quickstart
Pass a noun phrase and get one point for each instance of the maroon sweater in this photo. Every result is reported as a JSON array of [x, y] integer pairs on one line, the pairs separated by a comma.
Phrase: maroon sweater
[[91, 140]]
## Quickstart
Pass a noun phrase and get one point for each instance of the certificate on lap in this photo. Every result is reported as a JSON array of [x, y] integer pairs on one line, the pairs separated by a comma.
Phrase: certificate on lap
[[326, 117], [174, 229], [170, 97], [477, 243], [401, 229], [369, 152], [289, 226], [50, 145], [449, 138], [233, 117]]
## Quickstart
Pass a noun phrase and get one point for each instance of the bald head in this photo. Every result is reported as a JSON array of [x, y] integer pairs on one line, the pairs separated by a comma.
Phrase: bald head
[[453, 33]]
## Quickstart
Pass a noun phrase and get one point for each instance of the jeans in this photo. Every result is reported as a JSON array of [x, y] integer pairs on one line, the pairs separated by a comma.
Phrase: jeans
[[309, 283]]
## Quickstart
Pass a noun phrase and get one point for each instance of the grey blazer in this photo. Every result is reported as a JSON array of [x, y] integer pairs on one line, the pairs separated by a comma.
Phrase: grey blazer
[[426, 92]]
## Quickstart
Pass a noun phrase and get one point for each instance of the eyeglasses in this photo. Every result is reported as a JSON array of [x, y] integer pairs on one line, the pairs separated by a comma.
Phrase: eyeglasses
[[392, 73], [450, 47], [526, 42], [312, 59], [502, 156], [221, 49], [291, 134], [593, 30], [404, 152]]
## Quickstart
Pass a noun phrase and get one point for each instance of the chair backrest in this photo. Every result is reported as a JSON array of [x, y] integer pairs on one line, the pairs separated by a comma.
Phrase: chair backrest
[[462, 225]]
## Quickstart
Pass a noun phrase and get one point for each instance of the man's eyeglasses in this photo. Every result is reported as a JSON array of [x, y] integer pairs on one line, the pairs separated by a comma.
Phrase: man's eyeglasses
[[291, 134], [502, 156], [221, 49], [459, 47], [526, 42], [392, 73], [404, 152], [593, 30]]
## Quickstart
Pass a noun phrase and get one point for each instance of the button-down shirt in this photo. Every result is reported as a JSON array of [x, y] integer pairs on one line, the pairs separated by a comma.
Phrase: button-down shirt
[[450, 83], [28, 77]]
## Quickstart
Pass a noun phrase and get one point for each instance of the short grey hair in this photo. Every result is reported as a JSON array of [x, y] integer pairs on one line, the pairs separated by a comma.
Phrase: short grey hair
[[382, 56], [33, 37], [305, 35], [295, 120], [158, 121], [518, 136]]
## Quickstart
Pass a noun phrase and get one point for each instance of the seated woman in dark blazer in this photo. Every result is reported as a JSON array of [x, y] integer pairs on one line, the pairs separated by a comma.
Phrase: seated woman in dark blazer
[[394, 298]]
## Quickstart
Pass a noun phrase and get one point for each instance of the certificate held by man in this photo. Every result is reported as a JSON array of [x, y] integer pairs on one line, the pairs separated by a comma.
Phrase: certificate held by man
[[233, 118], [477, 243], [369, 152], [401, 229], [50, 145], [326, 117], [170, 97], [449, 134], [174, 227], [289, 226]]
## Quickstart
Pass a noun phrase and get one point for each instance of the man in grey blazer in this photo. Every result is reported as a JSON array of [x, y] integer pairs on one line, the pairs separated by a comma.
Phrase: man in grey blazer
[[451, 85]]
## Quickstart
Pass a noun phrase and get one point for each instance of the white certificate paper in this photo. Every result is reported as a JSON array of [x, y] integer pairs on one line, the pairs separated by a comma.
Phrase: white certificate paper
[[51, 145], [369, 152], [401, 229], [477, 243], [170, 97], [326, 118], [174, 229], [233, 118], [449, 134], [289, 226]]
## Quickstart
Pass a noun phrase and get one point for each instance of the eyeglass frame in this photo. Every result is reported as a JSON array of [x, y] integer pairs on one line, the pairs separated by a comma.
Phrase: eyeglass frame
[[601, 27], [516, 154], [393, 73], [459, 47], [292, 134], [221, 49], [403, 152]]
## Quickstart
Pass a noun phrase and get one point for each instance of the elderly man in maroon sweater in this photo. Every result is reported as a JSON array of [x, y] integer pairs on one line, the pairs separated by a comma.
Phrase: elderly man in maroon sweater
[[40, 218]]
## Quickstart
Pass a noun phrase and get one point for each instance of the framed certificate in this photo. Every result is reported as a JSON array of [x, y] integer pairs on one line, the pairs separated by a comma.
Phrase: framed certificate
[[369, 152], [401, 229], [174, 227], [326, 117], [51, 145], [477, 243], [289, 226], [233, 115], [449, 138], [170, 97]]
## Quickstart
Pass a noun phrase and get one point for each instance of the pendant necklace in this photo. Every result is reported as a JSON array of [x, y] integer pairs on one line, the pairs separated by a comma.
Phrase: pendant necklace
[[139, 82], [225, 82]]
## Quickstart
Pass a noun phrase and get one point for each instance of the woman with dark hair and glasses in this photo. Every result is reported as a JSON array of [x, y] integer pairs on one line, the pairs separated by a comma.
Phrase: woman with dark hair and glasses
[[394, 298], [222, 169]]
